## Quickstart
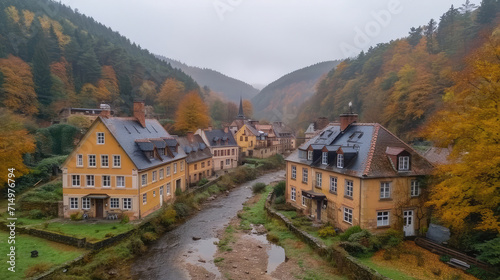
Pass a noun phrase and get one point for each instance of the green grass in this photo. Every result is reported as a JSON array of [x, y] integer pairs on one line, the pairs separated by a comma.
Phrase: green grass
[[224, 243], [93, 232], [48, 252], [385, 271]]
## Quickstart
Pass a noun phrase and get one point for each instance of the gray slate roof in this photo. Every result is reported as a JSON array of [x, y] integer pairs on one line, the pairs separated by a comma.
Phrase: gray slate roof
[[196, 150], [128, 130], [218, 134]]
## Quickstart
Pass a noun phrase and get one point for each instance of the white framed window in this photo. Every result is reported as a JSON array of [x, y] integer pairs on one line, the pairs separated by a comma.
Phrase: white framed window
[[144, 179], [324, 158], [294, 172], [415, 188], [293, 196], [114, 203], [304, 201], [73, 203], [348, 215], [168, 170], [404, 163], [161, 191], [79, 160], [120, 181], [162, 175], [309, 155], [175, 168], [340, 160], [100, 138], [145, 198], [75, 180], [304, 175], [382, 218], [154, 193], [85, 203], [104, 161], [106, 181], [155, 176], [90, 180], [182, 165], [127, 203], [349, 188], [168, 189], [385, 190], [92, 161], [228, 161], [319, 179], [117, 161], [333, 184]]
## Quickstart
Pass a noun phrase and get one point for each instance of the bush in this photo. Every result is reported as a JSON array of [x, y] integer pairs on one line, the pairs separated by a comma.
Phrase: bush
[[125, 219], [76, 216], [481, 273], [345, 236], [178, 191], [279, 189], [280, 200], [327, 231], [36, 214], [202, 182], [225, 183], [168, 217], [213, 189], [243, 174], [258, 187], [273, 238], [445, 258], [149, 237], [353, 248], [181, 209], [136, 246], [391, 238], [489, 251]]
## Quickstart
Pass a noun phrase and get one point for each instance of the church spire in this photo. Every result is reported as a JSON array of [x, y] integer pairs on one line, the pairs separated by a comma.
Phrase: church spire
[[240, 112]]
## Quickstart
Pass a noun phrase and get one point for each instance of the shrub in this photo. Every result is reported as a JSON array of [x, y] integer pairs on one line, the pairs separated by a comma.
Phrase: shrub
[[280, 200], [37, 269], [202, 182], [244, 174], [149, 237], [36, 214], [391, 238], [445, 258], [168, 217], [481, 273], [125, 219], [258, 187], [181, 209], [353, 248], [178, 191], [279, 189], [225, 183], [76, 216], [273, 237], [327, 231], [489, 251], [200, 197], [137, 246], [213, 189], [345, 236]]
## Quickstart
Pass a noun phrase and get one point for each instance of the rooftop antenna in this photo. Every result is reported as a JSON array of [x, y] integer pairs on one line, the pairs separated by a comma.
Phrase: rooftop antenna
[[350, 106]]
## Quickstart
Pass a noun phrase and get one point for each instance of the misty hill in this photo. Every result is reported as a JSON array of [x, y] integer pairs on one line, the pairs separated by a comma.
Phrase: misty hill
[[281, 99], [229, 87], [59, 58], [401, 84]]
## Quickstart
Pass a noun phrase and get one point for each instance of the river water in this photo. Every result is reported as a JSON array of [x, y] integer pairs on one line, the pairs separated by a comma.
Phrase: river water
[[164, 259]]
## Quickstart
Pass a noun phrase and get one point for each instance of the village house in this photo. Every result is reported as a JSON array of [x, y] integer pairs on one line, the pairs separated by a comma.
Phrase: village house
[[358, 174], [122, 166], [224, 149], [199, 158]]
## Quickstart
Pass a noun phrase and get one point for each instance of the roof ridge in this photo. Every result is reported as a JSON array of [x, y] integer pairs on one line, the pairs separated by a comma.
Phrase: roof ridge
[[372, 149]]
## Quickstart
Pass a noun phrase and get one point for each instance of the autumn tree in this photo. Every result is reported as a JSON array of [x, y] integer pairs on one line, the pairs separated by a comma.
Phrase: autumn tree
[[247, 108], [18, 90], [14, 143], [107, 87], [170, 94], [192, 113], [467, 194]]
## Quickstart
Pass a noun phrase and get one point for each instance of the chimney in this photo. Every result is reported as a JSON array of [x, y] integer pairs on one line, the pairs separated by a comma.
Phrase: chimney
[[226, 129], [347, 119], [105, 111], [139, 112], [190, 136]]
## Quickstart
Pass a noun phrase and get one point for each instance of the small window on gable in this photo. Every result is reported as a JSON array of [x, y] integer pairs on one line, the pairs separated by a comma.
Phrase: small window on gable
[[404, 163], [309, 155], [324, 158], [100, 138], [340, 160]]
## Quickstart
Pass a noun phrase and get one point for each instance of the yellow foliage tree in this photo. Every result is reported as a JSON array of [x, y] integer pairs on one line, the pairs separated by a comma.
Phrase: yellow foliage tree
[[247, 108], [170, 94], [107, 86], [192, 113], [467, 194], [14, 143], [13, 14], [19, 88]]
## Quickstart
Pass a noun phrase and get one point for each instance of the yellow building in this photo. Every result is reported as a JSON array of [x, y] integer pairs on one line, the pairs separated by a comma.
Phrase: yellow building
[[122, 166], [223, 147], [199, 158], [359, 174]]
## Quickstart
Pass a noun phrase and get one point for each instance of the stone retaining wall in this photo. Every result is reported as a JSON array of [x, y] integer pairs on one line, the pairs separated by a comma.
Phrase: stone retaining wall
[[346, 264]]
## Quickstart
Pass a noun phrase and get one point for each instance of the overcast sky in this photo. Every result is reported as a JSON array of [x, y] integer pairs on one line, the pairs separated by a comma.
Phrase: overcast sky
[[258, 41]]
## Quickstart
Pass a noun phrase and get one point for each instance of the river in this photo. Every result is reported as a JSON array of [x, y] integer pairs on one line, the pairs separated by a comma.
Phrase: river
[[164, 259]]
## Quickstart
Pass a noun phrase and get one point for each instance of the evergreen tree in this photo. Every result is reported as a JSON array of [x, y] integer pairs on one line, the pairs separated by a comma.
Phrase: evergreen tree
[[41, 72], [415, 36], [487, 11], [429, 33]]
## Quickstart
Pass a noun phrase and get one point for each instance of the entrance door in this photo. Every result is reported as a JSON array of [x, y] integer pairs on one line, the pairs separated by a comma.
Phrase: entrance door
[[99, 208], [161, 196], [408, 226], [177, 184]]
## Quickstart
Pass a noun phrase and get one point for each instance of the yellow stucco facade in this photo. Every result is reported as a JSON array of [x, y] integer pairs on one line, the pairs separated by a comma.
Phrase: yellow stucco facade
[[199, 170], [246, 140]]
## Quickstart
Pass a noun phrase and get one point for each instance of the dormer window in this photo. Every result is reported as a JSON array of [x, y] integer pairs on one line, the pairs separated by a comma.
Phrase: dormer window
[[403, 163], [340, 161], [324, 158], [309, 155]]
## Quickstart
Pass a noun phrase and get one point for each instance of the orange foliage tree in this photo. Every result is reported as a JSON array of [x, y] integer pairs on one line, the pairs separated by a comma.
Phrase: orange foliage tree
[[107, 87], [170, 94], [14, 143], [18, 87], [247, 108], [192, 113], [467, 194]]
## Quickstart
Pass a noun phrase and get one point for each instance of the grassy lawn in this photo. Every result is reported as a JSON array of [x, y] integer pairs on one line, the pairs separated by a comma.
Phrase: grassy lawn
[[91, 231], [386, 271], [50, 254]]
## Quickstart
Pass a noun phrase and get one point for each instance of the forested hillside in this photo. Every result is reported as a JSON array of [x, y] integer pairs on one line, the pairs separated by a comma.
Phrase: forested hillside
[[401, 84], [231, 89], [280, 100], [52, 57]]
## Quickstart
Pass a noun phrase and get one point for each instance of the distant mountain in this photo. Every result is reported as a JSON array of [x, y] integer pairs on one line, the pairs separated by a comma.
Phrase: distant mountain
[[229, 87], [281, 99]]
